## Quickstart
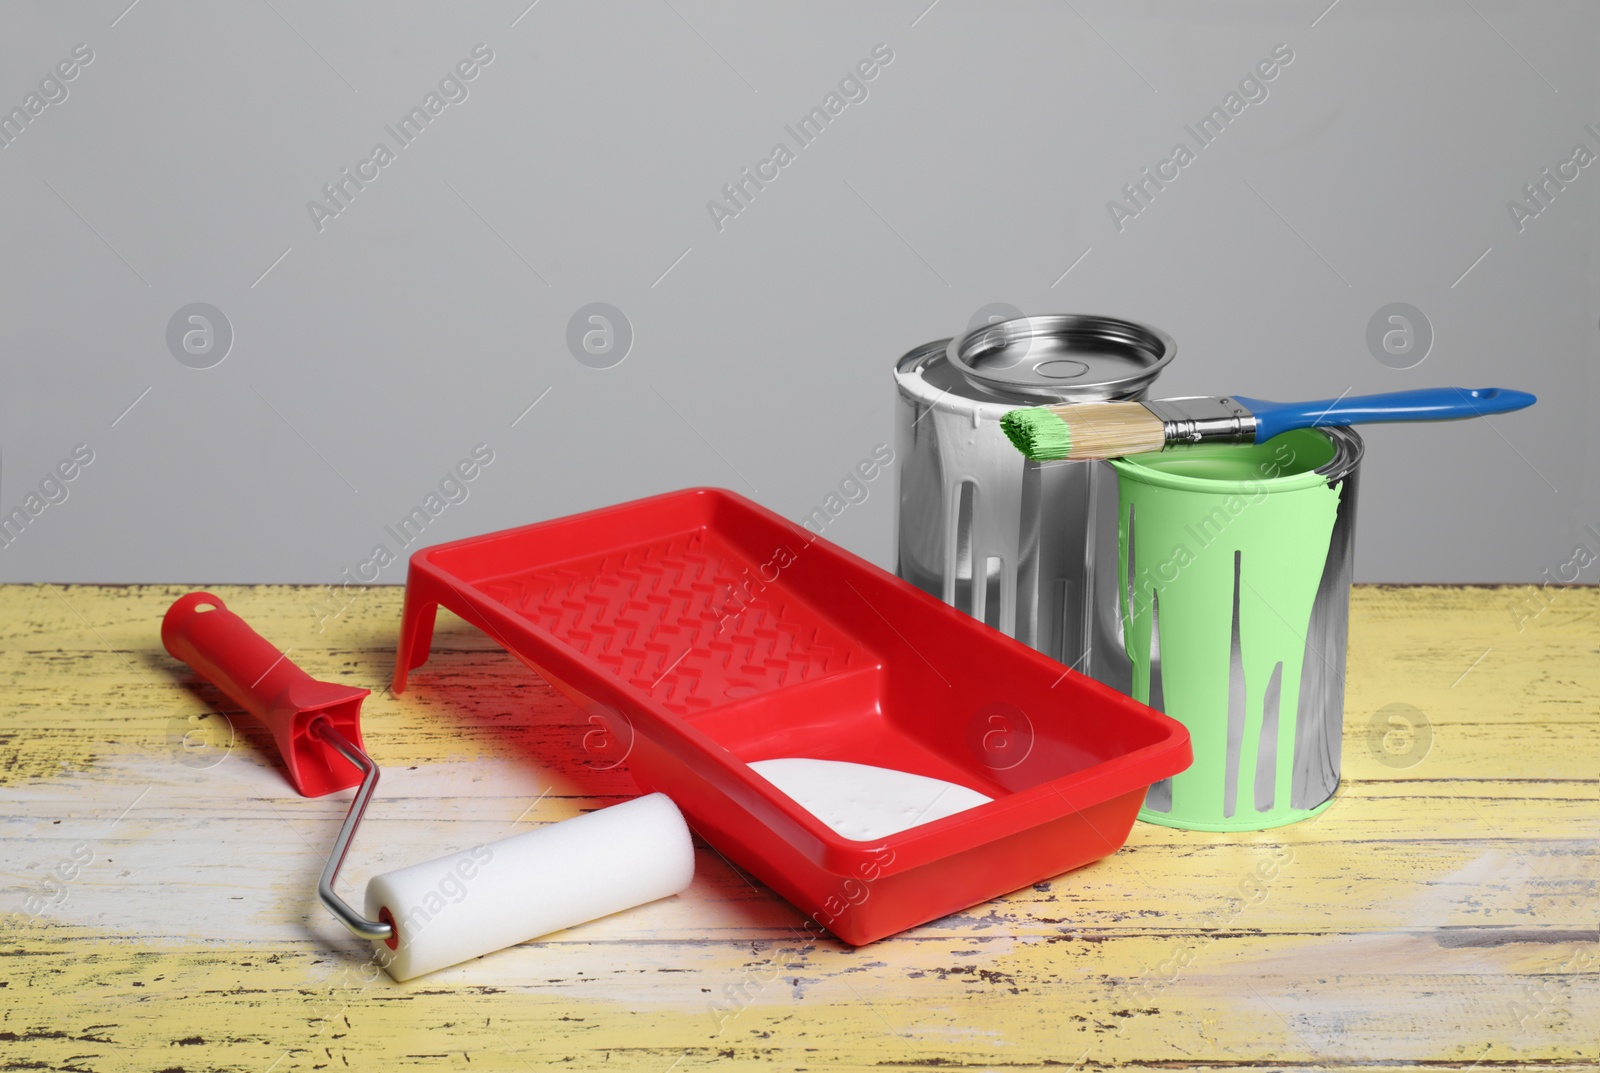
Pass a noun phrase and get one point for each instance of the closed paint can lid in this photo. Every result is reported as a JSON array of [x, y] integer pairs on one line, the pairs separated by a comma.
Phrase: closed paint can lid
[[1062, 357]]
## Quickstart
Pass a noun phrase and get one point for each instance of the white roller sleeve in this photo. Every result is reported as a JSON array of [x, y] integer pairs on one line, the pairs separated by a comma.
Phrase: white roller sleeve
[[455, 908]]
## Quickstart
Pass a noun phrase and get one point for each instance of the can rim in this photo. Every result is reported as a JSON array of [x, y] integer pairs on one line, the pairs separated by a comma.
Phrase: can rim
[[917, 354], [964, 348], [910, 376], [1348, 449]]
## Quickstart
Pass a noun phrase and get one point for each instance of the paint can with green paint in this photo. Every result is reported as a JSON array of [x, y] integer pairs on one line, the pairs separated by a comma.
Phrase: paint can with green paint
[[1233, 572]]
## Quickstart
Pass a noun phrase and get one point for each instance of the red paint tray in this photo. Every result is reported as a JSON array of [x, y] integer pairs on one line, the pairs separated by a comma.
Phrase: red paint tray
[[726, 635]]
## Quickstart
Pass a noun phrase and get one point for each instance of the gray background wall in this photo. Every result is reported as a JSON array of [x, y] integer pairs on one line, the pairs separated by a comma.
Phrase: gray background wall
[[371, 356]]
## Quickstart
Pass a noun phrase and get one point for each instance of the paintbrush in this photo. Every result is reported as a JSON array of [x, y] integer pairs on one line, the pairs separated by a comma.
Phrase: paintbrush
[[1114, 429]]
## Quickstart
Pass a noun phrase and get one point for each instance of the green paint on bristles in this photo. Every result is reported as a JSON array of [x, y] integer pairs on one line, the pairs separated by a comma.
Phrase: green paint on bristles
[[1038, 432]]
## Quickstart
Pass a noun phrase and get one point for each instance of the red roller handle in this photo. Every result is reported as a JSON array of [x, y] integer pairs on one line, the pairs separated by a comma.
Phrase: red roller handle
[[222, 648]]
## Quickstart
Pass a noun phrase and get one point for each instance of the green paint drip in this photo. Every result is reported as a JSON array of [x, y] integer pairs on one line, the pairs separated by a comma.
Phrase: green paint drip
[[1038, 433], [1191, 509]]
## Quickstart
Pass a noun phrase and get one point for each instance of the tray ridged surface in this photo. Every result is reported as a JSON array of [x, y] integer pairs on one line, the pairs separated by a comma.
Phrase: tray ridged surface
[[685, 619]]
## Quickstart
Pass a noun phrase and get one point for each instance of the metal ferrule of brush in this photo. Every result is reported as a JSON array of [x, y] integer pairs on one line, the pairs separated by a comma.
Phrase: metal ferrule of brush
[[1202, 418]]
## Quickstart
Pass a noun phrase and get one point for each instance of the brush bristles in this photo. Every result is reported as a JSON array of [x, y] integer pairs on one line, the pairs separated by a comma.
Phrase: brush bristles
[[1037, 433], [1084, 430]]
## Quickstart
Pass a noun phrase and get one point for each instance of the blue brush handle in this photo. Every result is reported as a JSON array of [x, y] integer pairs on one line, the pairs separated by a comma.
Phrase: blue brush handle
[[1420, 404]]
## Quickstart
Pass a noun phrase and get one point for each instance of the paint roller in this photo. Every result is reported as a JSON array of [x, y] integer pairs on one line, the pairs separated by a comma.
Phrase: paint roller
[[445, 911]]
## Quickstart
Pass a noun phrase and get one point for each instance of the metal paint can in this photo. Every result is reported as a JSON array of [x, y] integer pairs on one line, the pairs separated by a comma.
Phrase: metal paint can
[[1011, 541], [1229, 581]]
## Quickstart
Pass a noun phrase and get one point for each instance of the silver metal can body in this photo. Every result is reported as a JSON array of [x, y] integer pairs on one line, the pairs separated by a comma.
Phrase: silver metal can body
[[1011, 541], [1319, 715]]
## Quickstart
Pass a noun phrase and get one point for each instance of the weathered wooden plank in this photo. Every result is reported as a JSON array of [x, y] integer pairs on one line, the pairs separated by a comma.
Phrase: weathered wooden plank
[[1443, 913]]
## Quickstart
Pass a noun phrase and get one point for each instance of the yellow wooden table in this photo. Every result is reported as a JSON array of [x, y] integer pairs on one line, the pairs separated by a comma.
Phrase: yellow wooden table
[[159, 878]]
